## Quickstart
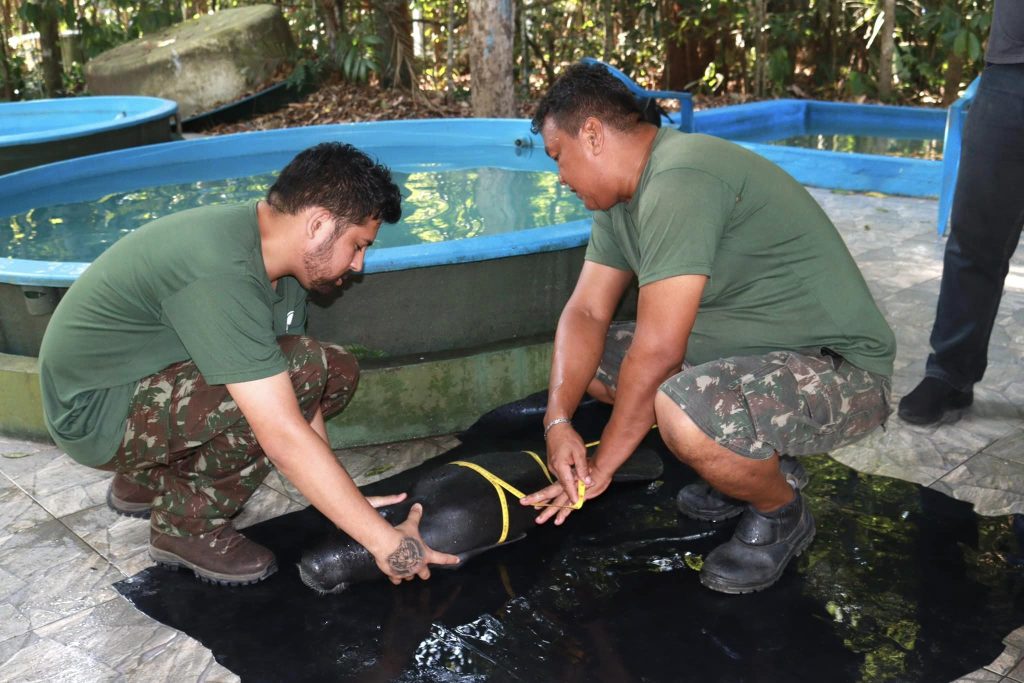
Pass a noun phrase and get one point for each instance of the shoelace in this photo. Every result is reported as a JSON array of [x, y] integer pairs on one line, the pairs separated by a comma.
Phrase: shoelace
[[232, 540]]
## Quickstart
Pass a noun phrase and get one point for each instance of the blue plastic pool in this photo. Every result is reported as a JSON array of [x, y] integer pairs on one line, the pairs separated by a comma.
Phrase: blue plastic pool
[[757, 124], [444, 329], [451, 327], [405, 146], [41, 131], [446, 145]]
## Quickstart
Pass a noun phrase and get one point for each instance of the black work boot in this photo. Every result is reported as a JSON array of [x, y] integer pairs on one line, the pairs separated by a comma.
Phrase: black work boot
[[700, 501], [759, 550], [127, 498], [221, 556], [930, 400]]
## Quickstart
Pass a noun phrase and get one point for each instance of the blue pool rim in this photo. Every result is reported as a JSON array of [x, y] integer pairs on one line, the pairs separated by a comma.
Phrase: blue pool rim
[[369, 136], [137, 110], [228, 153]]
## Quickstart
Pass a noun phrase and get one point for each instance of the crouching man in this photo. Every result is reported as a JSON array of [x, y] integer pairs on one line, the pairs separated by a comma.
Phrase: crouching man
[[756, 335], [177, 361]]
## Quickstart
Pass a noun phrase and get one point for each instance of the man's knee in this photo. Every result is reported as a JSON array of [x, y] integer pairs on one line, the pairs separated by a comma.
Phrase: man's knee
[[315, 362], [601, 391], [342, 379], [341, 363], [679, 432], [308, 368]]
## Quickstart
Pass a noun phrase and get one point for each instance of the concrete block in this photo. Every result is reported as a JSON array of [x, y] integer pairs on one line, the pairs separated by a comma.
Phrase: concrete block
[[200, 63]]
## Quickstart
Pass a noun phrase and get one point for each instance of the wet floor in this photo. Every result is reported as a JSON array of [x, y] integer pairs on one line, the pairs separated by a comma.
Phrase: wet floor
[[901, 584], [61, 549]]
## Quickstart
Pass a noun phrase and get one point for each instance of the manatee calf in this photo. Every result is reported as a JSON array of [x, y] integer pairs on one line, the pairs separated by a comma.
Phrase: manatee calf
[[468, 507]]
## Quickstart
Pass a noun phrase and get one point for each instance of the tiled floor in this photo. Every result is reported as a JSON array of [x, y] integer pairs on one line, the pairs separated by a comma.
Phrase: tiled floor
[[61, 548]]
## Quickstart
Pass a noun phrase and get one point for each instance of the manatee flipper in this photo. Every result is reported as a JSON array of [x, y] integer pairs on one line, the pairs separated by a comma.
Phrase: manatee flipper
[[643, 465], [469, 554]]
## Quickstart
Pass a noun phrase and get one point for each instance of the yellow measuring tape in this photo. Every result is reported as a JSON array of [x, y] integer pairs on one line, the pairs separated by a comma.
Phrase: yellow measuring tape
[[500, 485]]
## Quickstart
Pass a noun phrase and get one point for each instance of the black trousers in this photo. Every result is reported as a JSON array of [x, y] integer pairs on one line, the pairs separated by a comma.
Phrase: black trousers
[[986, 220]]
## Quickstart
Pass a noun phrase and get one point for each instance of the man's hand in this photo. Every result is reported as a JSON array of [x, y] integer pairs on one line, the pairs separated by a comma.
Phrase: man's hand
[[558, 504], [567, 459], [412, 556]]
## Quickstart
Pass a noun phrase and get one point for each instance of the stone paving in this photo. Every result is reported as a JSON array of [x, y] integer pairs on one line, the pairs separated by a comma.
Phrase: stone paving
[[61, 548]]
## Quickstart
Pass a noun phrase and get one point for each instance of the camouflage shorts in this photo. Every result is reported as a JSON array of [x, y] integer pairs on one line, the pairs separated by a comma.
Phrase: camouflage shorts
[[188, 442], [793, 403]]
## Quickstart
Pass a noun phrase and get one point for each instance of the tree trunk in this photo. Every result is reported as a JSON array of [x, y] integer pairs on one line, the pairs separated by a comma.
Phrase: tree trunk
[[954, 74], [609, 31], [49, 48], [524, 46], [5, 64], [686, 56], [490, 58], [394, 26], [332, 13], [449, 83], [887, 45], [760, 25]]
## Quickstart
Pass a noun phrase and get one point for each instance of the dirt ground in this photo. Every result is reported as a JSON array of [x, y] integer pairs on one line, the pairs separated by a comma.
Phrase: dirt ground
[[341, 102]]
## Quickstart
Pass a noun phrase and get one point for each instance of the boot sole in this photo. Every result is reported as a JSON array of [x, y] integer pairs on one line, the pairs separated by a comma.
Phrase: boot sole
[[950, 413], [735, 511], [126, 509], [716, 584], [947, 416], [169, 560]]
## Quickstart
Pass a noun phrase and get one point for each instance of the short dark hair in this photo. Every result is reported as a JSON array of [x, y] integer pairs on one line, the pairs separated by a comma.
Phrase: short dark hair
[[587, 90], [339, 178]]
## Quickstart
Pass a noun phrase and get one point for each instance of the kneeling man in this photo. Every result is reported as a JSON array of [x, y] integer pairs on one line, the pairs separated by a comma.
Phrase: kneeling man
[[756, 336], [178, 361]]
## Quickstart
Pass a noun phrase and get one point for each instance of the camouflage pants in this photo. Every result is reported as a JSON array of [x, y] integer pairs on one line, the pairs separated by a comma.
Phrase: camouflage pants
[[795, 403], [187, 440]]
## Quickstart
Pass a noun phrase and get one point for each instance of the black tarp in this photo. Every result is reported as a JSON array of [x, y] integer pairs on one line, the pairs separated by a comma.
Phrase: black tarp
[[900, 584]]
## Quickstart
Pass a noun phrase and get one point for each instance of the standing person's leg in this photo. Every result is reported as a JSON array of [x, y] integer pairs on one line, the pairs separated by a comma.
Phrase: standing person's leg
[[188, 443], [729, 420], [988, 212]]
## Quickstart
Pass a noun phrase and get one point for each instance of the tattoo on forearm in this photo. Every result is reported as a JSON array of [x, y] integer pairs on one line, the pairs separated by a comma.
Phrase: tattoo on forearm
[[408, 556]]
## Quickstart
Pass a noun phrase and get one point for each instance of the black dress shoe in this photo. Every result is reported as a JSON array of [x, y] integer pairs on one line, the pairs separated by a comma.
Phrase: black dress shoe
[[932, 399]]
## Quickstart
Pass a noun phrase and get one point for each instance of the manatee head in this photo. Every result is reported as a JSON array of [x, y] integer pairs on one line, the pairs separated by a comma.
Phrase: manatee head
[[336, 563]]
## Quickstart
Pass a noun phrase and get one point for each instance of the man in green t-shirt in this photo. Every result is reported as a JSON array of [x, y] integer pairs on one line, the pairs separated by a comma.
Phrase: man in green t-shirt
[[177, 361], [756, 336]]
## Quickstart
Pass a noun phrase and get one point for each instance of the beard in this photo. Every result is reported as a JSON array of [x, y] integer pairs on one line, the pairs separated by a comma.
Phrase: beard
[[317, 265]]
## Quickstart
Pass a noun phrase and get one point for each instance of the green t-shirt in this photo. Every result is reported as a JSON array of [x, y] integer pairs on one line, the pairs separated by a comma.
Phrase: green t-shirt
[[780, 276], [192, 285]]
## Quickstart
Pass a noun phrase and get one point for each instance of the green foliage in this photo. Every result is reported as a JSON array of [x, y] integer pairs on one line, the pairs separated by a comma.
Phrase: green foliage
[[74, 78], [307, 71], [355, 56], [712, 79], [152, 15], [12, 76], [827, 48]]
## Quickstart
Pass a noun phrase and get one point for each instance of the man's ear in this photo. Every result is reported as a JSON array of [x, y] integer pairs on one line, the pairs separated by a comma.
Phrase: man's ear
[[316, 221], [592, 135]]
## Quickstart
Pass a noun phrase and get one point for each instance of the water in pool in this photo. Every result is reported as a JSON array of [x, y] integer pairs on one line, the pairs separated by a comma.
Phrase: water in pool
[[437, 206], [866, 144]]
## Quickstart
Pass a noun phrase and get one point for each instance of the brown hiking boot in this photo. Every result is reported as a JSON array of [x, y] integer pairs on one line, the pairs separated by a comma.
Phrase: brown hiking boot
[[221, 556], [127, 498]]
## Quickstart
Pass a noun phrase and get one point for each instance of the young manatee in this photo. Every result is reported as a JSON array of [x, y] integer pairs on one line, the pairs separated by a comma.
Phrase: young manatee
[[467, 510]]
